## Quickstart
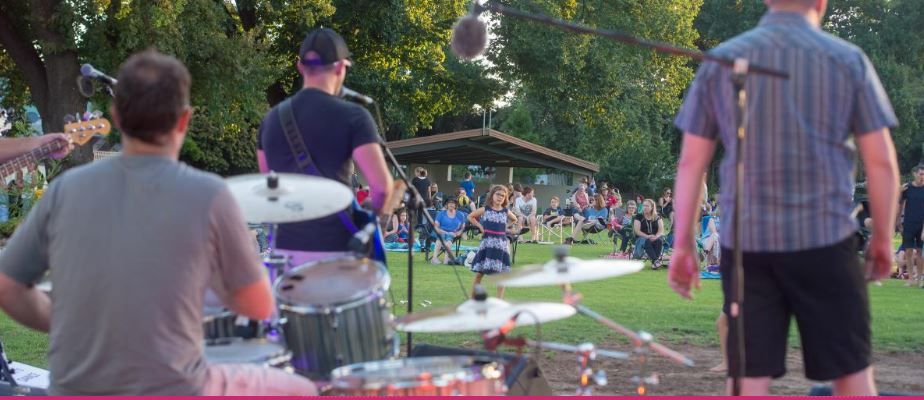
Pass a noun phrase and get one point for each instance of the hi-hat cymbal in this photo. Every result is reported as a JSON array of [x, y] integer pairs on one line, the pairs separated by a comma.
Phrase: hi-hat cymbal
[[474, 315], [292, 198], [569, 270]]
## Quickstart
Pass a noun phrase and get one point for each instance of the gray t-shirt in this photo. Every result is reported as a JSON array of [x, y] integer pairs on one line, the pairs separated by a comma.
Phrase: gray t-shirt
[[132, 243]]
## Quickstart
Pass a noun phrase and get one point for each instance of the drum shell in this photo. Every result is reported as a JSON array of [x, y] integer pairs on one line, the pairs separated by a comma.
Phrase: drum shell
[[220, 324], [360, 328], [415, 379]]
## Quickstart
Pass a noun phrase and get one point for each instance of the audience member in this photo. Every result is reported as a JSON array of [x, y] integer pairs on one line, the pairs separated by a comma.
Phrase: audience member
[[649, 231], [525, 208]]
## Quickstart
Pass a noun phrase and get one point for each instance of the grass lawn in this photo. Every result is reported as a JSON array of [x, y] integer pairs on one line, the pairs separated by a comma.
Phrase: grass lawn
[[640, 301]]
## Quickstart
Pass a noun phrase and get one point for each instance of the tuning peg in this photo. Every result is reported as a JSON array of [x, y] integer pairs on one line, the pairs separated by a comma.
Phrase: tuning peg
[[96, 114], [69, 119]]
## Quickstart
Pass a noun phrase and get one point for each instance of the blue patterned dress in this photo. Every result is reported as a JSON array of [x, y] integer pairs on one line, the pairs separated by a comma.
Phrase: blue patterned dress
[[493, 255]]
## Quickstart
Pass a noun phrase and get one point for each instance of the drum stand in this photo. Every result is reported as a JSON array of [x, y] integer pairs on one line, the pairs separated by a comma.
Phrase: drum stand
[[274, 262], [6, 373]]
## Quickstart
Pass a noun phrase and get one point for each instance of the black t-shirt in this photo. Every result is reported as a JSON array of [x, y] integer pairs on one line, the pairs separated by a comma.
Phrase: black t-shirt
[[648, 227], [913, 196], [552, 212], [423, 187], [331, 129]]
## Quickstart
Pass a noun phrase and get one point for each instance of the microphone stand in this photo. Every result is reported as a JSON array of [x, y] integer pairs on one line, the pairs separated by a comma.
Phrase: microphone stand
[[417, 203], [740, 71]]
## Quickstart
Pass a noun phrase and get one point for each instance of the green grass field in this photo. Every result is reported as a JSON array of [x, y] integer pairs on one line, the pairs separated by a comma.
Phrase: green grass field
[[640, 301]]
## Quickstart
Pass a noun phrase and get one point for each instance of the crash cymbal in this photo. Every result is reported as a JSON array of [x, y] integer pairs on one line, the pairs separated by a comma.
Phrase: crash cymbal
[[569, 270], [288, 198], [474, 315]]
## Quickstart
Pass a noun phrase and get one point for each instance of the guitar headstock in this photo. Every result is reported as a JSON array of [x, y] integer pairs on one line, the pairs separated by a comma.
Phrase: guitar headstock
[[82, 131]]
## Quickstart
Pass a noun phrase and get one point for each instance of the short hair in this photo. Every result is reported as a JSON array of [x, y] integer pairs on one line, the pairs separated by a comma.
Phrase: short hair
[[527, 190], [517, 187], [152, 93], [467, 175], [556, 199], [917, 168], [420, 171]]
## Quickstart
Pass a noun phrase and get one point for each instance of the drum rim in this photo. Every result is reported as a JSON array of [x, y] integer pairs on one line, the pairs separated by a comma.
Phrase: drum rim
[[467, 372], [360, 298], [277, 358]]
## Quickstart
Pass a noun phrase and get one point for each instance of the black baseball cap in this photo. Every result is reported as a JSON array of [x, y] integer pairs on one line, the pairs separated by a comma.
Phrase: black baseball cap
[[329, 46]]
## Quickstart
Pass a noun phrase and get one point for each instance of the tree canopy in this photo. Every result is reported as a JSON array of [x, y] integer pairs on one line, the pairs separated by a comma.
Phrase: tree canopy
[[583, 95]]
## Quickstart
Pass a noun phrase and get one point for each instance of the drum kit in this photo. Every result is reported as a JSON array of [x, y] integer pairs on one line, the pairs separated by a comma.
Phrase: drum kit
[[334, 323]]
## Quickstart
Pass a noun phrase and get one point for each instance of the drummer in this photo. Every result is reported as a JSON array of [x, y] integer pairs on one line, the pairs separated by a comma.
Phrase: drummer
[[333, 131], [132, 243]]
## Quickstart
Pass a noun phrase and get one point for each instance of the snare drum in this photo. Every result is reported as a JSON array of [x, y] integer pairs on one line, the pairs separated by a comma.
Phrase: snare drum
[[242, 351], [334, 313], [424, 376]]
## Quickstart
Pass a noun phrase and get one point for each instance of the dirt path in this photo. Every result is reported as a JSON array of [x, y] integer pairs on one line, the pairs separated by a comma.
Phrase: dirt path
[[895, 372]]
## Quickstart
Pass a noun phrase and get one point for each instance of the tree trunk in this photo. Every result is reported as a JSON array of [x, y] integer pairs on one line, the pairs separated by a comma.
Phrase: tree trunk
[[61, 96]]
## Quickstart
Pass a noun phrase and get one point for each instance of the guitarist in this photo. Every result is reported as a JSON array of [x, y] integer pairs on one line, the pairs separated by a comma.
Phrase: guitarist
[[13, 147], [333, 131]]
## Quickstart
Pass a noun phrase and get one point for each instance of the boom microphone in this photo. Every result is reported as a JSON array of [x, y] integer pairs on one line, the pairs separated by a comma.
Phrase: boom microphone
[[470, 35], [353, 95], [88, 71]]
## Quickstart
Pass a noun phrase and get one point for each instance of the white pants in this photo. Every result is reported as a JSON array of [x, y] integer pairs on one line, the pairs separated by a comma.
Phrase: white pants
[[254, 380]]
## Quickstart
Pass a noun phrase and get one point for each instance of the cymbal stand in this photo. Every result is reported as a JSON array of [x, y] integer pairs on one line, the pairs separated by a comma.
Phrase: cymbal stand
[[6, 373], [641, 357], [274, 262], [573, 298], [637, 338], [587, 354]]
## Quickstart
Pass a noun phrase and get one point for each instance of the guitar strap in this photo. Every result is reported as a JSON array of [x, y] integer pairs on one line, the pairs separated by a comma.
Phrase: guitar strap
[[303, 158]]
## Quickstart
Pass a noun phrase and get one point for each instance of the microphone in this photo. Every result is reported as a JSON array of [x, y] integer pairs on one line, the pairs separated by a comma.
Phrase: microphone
[[88, 71], [352, 95], [470, 35], [360, 240]]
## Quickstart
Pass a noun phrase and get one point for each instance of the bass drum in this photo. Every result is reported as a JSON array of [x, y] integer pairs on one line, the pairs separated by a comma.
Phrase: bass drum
[[334, 312]]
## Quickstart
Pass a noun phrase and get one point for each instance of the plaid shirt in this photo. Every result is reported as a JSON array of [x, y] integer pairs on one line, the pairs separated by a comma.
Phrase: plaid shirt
[[799, 152]]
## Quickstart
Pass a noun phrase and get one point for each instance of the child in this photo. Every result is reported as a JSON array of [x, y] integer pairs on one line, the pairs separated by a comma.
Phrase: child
[[493, 256], [552, 215], [403, 227]]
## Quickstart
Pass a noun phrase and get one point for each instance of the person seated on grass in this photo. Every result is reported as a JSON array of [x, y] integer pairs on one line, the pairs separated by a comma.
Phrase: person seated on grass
[[449, 224], [595, 218], [436, 197], [464, 202], [710, 235], [649, 231], [525, 208], [580, 201], [390, 228], [622, 229], [553, 215]]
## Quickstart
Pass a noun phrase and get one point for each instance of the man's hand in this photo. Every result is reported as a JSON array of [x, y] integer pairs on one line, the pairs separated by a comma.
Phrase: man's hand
[[878, 260], [51, 137], [683, 273]]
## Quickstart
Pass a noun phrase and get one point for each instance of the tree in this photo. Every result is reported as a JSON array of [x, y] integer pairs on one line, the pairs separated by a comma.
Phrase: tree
[[590, 97], [890, 32], [38, 37]]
